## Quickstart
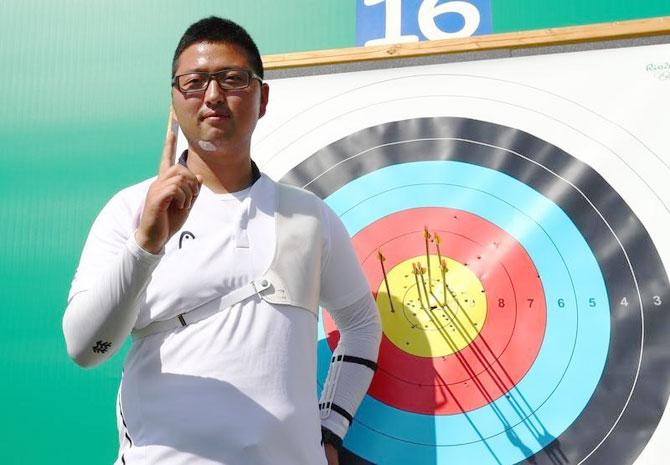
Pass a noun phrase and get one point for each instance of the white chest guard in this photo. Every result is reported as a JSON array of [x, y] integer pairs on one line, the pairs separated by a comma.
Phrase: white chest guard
[[294, 274], [293, 277]]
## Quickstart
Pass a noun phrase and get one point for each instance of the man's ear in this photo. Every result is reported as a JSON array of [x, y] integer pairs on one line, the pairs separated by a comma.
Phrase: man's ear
[[265, 95]]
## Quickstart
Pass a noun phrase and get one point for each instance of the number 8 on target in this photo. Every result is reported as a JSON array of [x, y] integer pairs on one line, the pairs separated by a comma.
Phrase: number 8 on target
[[381, 22]]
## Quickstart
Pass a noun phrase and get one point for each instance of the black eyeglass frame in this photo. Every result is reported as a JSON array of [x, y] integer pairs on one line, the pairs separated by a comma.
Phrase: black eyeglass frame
[[218, 75]]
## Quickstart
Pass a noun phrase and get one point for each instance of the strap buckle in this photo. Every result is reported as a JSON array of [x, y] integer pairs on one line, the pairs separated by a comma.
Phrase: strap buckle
[[260, 286]]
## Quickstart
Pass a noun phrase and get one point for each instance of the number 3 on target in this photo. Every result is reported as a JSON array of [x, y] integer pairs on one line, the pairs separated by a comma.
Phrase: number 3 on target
[[402, 21]]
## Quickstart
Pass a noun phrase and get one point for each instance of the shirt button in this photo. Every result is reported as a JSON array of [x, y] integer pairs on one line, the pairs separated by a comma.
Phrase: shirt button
[[264, 283]]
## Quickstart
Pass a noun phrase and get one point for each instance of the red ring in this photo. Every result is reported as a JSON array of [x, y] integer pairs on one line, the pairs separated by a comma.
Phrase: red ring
[[510, 339]]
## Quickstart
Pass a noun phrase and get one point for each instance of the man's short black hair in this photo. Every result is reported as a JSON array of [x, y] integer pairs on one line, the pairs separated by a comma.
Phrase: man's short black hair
[[215, 29]]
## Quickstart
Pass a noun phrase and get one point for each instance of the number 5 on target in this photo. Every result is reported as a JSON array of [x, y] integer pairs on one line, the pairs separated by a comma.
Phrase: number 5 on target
[[381, 22]]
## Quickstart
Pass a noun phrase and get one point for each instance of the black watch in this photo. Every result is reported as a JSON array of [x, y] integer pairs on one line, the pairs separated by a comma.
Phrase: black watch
[[328, 437]]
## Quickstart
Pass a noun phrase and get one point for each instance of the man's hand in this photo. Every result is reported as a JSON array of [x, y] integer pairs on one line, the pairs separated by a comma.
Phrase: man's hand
[[169, 199], [331, 454]]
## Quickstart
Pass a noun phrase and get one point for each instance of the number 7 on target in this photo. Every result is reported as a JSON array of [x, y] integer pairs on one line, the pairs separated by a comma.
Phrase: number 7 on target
[[381, 22]]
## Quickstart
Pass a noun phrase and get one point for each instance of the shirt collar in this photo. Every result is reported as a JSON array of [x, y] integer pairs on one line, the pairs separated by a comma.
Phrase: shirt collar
[[255, 172]]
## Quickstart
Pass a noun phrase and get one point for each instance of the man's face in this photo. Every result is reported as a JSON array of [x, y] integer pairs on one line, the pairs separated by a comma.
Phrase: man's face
[[217, 120]]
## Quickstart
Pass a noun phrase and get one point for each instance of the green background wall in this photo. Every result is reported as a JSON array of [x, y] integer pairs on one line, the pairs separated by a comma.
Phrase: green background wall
[[85, 91]]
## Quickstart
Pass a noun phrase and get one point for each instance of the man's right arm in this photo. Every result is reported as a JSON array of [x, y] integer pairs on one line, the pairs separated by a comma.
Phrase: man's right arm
[[112, 274], [120, 254]]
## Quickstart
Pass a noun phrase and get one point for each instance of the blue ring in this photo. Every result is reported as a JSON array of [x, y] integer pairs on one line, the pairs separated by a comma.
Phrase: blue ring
[[576, 339]]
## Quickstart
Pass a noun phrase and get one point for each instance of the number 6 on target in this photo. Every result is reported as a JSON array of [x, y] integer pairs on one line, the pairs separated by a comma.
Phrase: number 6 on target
[[381, 22]]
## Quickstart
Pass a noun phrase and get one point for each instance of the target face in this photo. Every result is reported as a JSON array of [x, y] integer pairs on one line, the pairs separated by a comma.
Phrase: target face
[[523, 301]]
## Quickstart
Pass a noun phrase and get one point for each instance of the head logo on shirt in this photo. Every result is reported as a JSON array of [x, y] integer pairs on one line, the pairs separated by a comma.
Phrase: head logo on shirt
[[185, 235]]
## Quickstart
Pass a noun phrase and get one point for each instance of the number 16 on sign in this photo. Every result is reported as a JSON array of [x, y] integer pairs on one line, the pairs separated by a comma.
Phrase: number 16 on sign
[[381, 22]]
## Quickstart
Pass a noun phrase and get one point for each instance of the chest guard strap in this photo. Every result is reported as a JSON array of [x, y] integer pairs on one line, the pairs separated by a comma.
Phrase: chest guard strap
[[293, 277]]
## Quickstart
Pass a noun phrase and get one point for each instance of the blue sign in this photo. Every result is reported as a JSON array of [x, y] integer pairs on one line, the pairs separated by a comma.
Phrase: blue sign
[[400, 21]]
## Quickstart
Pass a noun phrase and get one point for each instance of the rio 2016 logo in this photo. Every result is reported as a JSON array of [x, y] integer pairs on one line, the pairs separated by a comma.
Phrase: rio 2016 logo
[[381, 22]]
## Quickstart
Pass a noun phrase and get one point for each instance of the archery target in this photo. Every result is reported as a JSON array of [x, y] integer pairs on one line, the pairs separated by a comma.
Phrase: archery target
[[545, 344]]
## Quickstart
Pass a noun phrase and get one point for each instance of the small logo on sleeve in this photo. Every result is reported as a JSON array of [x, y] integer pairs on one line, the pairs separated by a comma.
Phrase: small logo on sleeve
[[101, 347]]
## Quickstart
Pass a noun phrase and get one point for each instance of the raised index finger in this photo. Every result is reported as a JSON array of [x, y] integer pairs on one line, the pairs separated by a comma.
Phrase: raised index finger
[[167, 158]]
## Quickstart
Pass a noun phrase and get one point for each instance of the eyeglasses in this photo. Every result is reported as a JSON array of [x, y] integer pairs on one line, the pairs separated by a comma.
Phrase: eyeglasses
[[228, 79]]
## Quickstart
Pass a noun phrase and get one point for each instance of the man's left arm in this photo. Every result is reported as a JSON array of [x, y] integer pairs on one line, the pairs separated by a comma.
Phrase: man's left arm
[[353, 364], [346, 295]]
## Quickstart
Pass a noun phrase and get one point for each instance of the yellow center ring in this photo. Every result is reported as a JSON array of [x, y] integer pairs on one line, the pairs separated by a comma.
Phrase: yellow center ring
[[437, 317]]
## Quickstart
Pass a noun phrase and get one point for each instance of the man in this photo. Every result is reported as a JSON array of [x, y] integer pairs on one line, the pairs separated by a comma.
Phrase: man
[[218, 272]]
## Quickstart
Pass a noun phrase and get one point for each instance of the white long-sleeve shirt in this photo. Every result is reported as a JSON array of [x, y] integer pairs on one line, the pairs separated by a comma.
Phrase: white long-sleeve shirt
[[239, 386]]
